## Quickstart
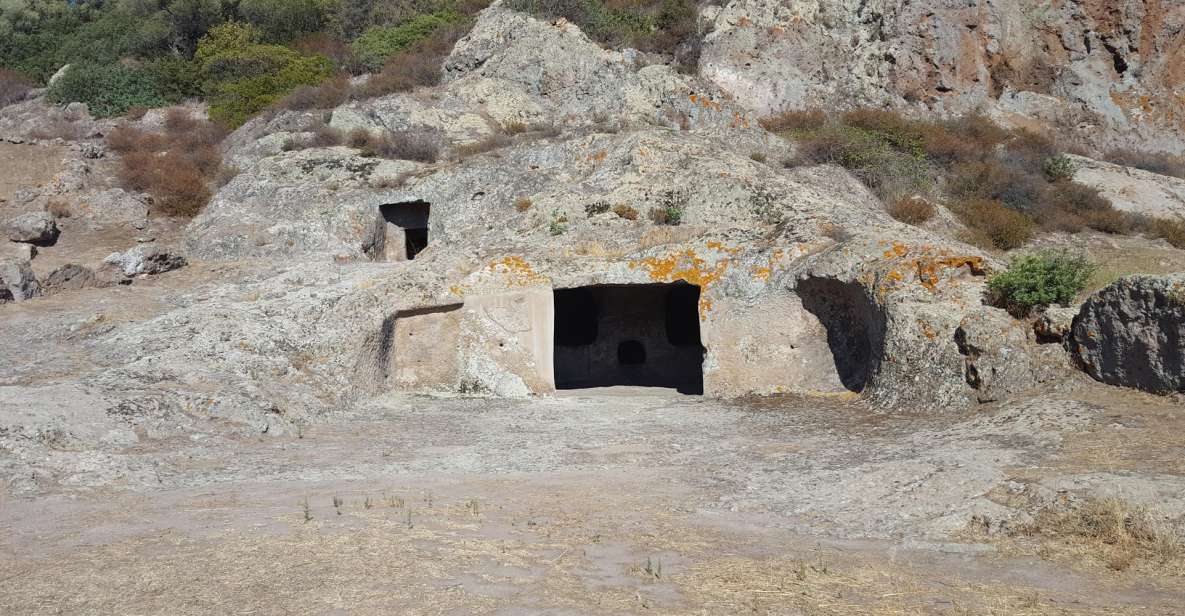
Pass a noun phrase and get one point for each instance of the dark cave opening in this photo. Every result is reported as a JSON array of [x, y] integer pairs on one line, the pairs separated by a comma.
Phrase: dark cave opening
[[643, 335]]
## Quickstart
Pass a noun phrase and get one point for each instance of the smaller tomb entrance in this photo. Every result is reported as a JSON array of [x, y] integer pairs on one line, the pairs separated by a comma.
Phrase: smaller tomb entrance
[[636, 334], [405, 231]]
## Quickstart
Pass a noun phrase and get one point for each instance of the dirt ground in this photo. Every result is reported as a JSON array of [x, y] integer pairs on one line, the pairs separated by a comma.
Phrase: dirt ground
[[602, 502]]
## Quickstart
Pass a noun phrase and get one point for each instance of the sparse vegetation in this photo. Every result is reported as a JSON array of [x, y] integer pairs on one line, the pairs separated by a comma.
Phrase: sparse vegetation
[[596, 207], [1112, 531], [422, 145], [1040, 279], [522, 204], [1004, 185], [558, 224]]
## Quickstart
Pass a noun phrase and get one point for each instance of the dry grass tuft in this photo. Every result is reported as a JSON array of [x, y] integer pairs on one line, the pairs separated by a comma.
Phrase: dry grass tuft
[[1112, 531], [522, 204], [794, 120]]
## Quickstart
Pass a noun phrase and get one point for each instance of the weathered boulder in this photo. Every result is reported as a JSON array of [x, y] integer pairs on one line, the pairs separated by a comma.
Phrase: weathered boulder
[[69, 277], [32, 227], [111, 206], [143, 260], [1132, 334], [1002, 356], [17, 281]]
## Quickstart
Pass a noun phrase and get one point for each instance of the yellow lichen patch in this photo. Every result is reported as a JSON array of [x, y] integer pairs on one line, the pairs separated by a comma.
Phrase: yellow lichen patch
[[763, 273], [518, 272], [739, 120], [598, 156], [927, 331], [688, 267]]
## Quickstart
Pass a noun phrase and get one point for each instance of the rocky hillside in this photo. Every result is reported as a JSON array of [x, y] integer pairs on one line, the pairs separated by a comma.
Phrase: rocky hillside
[[1106, 71]]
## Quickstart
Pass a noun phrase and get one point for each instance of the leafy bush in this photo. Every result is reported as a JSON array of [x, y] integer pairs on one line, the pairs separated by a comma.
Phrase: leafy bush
[[176, 79], [108, 90], [284, 20], [13, 87], [1040, 279], [911, 210], [242, 76], [416, 66], [377, 44]]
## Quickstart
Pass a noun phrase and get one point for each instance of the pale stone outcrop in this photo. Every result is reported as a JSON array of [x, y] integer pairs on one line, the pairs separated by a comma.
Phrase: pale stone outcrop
[[1110, 69], [32, 228], [1133, 190]]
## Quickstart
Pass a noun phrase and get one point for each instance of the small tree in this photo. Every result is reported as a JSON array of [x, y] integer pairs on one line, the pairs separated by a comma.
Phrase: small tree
[[1040, 279]]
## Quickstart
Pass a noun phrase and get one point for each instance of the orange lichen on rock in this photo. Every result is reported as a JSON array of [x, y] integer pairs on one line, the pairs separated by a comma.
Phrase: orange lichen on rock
[[598, 156], [518, 272], [929, 269], [688, 267]]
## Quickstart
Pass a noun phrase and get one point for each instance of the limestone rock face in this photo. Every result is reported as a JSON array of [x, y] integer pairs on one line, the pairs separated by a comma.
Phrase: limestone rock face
[[17, 281], [1109, 67], [1132, 334], [32, 227]]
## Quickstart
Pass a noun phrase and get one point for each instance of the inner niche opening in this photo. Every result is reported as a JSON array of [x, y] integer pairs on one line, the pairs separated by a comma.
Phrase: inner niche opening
[[642, 335], [855, 327], [405, 229]]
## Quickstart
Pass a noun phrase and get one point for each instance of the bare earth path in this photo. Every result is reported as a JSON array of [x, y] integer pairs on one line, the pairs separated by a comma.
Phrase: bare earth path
[[600, 502]]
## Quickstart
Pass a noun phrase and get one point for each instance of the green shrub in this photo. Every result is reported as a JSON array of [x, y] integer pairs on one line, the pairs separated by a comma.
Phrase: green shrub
[[107, 90], [1040, 279], [871, 155], [242, 76], [1058, 168], [284, 20], [1002, 227], [377, 44], [176, 79]]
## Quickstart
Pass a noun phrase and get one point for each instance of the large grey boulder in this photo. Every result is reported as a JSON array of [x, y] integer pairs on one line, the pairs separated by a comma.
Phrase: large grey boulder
[[33, 228], [17, 281], [1132, 333], [68, 277]]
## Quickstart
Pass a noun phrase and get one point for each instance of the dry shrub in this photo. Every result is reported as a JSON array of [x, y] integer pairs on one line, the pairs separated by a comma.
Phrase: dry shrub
[[335, 49], [757, 157], [787, 121], [514, 128], [136, 113], [421, 145], [327, 95], [1112, 531], [1003, 228], [624, 211], [14, 87], [1172, 231], [911, 210], [177, 167], [1155, 162], [325, 136], [522, 204]]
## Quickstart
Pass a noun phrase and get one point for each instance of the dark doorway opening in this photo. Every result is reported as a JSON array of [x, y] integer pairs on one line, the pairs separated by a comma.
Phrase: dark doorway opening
[[645, 335], [855, 327], [405, 230]]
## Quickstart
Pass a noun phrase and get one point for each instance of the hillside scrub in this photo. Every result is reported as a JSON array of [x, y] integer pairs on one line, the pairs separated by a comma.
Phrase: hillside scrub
[[1004, 185], [177, 168], [242, 56]]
